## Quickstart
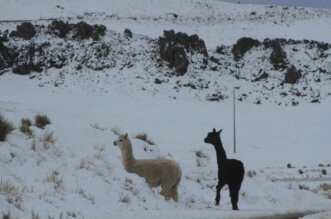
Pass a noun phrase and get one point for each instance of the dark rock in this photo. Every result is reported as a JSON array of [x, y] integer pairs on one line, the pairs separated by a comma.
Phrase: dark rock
[[221, 50], [157, 81], [262, 76], [3, 56], [173, 47], [83, 31], [79, 67], [183, 39], [128, 33], [323, 46], [26, 68], [242, 46], [166, 51], [180, 60], [26, 31], [292, 75], [278, 55], [198, 44], [59, 28], [215, 97], [190, 85], [213, 59]]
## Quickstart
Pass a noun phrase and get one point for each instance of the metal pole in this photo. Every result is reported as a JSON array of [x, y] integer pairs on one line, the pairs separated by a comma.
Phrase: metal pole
[[234, 120]]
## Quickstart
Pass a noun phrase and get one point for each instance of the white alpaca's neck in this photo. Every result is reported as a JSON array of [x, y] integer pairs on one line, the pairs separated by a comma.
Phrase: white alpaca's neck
[[128, 159]]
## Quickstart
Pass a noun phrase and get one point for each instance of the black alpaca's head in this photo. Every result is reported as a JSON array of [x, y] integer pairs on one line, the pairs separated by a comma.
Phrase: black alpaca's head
[[213, 137]]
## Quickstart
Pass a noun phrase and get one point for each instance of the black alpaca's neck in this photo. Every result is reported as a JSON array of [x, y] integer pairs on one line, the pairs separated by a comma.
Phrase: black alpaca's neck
[[220, 152]]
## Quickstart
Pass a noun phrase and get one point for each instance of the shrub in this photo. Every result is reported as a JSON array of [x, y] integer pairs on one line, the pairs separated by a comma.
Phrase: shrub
[[41, 120], [25, 126], [144, 137], [5, 128], [325, 187]]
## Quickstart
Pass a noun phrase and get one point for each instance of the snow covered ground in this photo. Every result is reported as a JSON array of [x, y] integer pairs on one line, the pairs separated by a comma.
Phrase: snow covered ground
[[80, 174]]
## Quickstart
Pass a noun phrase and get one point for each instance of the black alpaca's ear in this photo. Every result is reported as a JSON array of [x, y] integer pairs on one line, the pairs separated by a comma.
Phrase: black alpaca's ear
[[219, 132], [214, 130], [126, 136]]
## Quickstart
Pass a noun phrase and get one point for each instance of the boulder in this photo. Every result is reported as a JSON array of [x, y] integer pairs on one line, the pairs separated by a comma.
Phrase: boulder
[[128, 33], [26, 31], [278, 56], [59, 28], [26, 68], [83, 31], [5, 56], [292, 75], [243, 45], [180, 60], [184, 40], [174, 46], [198, 45]]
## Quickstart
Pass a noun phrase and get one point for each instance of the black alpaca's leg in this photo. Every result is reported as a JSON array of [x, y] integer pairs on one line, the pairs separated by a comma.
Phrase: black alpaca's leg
[[234, 192], [220, 185]]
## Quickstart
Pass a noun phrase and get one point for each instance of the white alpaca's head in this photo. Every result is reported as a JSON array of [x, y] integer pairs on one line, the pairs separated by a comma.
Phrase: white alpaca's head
[[123, 142]]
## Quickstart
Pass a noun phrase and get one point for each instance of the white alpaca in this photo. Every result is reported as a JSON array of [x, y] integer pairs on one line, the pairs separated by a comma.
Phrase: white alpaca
[[166, 173]]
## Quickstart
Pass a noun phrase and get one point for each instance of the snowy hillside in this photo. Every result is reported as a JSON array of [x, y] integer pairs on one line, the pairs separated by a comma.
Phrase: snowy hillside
[[101, 68]]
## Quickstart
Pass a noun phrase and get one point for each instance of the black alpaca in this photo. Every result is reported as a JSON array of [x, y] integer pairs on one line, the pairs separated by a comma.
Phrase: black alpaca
[[230, 171]]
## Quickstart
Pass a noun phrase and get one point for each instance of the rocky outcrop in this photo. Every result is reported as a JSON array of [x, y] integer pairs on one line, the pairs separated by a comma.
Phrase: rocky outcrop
[[83, 31], [242, 46], [278, 56], [26, 31], [175, 46], [60, 29], [198, 45]]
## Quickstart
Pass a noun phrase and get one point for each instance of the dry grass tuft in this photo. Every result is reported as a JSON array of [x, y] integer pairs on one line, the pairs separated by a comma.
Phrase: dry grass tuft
[[144, 137], [55, 177], [124, 198], [5, 128], [47, 139], [86, 196], [325, 187], [13, 193], [7, 188], [41, 120], [25, 127]]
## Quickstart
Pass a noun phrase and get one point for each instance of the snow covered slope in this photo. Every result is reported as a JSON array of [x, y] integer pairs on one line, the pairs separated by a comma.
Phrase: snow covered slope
[[78, 173]]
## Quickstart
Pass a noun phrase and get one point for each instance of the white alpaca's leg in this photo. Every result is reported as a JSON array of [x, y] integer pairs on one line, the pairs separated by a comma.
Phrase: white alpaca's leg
[[166, 191], [174, 193]]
